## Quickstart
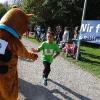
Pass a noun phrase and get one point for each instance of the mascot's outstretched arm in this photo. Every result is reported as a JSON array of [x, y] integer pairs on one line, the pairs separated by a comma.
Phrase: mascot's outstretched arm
[[22, 52]]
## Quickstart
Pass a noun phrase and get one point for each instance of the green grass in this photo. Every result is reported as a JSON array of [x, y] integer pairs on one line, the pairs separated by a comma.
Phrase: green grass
[[89, 61]]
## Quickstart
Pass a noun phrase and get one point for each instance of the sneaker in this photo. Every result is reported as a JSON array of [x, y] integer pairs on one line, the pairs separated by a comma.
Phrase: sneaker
[[45, 81]]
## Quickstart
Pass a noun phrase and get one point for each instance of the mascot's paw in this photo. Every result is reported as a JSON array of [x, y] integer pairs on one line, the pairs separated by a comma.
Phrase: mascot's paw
[[33, 56]]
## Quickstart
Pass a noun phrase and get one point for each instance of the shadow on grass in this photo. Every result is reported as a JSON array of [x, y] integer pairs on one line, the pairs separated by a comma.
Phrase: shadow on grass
[[91, 55], [80, 97], [84, 59]]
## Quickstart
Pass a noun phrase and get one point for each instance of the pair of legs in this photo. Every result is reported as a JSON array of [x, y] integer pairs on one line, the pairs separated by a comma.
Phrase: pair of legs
[[47, 69]]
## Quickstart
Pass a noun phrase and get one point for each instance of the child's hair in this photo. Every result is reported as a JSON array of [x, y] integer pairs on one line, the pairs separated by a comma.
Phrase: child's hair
[[51, 33]]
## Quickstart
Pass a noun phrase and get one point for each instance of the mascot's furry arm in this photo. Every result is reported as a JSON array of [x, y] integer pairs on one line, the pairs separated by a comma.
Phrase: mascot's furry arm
[[22, 52]]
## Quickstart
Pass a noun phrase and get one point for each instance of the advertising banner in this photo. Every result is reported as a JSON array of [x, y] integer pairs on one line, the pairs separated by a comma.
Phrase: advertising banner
[[90, 31]]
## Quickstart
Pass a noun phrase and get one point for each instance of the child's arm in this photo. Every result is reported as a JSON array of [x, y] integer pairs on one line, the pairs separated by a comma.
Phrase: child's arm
[[35, 50], [54, 56], [39, 48]]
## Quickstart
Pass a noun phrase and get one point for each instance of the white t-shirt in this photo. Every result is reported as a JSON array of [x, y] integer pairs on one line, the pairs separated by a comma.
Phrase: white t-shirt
[[65, 36]]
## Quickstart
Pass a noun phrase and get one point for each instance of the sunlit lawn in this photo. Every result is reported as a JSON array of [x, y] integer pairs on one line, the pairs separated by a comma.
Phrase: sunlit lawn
[[90, 59]]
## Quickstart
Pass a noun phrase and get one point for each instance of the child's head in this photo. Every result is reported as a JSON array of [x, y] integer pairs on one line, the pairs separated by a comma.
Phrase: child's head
[[50, 37]]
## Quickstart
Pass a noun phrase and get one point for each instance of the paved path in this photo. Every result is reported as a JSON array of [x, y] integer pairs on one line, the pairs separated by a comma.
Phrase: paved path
[[66, 81]]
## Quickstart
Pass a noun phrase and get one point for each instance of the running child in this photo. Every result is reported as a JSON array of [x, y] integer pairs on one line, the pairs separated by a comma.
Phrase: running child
[[50, 51]]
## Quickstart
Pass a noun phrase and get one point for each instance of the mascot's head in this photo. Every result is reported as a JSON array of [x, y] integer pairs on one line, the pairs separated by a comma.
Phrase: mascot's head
[[16, 19]]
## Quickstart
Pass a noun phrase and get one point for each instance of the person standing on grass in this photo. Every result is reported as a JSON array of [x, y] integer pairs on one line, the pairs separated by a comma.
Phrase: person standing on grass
[[50, 50], [65, 35], [65, 38]]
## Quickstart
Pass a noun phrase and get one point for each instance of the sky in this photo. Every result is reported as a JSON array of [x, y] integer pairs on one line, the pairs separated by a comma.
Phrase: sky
[[2, 1], [9, 1]]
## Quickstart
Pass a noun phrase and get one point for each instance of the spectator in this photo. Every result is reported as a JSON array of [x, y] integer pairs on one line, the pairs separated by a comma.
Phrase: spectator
[[65, 35], [65, 38], [58, 34]]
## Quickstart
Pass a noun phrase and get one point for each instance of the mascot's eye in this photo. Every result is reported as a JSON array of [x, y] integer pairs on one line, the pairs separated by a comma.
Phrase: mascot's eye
[[6, 57]]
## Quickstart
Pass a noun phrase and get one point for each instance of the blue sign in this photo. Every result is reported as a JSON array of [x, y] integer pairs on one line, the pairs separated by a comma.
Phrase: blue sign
[[90, 31], [0, 45]]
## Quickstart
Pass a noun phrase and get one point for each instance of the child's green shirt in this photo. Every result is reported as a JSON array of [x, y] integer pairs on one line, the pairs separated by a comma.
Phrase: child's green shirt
[[48, 50]]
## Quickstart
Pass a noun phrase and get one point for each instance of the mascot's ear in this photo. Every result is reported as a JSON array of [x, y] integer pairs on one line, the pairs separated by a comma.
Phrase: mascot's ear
[[14, 6], [29, 15]]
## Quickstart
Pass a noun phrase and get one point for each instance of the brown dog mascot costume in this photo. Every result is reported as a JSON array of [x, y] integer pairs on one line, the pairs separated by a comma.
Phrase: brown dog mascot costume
[[12, 26]]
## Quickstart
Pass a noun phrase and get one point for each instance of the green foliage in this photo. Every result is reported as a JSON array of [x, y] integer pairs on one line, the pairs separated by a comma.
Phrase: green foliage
[[65, 12], [92, 10], [54, 11], [33, 6], [2, 10]]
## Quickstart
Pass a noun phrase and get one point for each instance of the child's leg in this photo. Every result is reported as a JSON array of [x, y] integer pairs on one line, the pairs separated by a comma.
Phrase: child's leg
[[46, 70]]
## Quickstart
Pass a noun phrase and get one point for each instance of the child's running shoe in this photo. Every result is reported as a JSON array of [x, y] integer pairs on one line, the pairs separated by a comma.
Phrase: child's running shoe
[[45, 81]]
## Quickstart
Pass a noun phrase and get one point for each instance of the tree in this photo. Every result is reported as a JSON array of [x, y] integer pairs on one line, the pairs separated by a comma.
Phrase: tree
[[2, 10], [92, 10], [67, 12]]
